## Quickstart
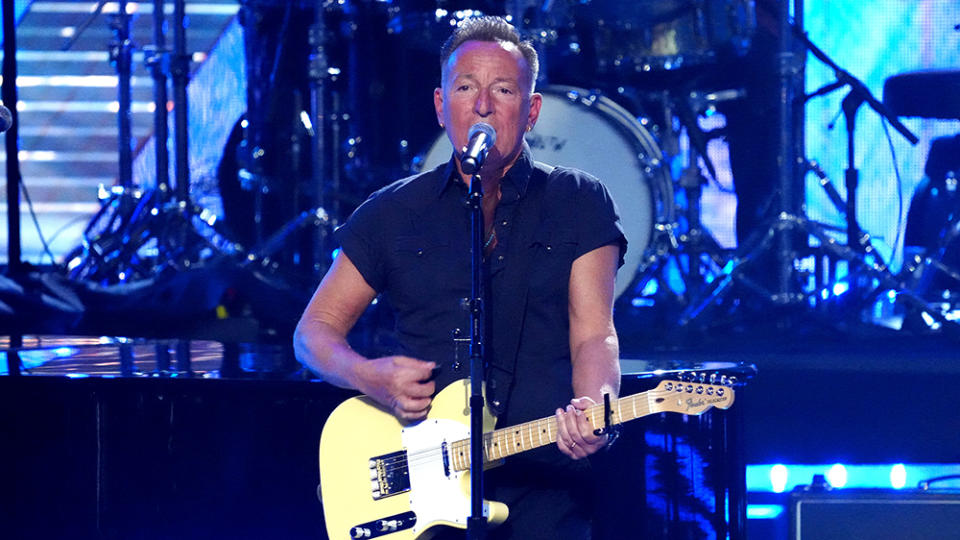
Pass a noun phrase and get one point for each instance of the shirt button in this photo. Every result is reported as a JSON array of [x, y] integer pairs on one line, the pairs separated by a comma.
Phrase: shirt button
[[419, 253], [500, 258], [549, 247], [504, 223]]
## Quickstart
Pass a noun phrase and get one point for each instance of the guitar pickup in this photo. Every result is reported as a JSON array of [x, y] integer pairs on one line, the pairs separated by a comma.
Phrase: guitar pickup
[[384, 526], [389, 475]]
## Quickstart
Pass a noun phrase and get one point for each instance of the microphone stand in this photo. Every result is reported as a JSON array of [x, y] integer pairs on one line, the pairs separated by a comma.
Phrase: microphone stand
[[8, 92], [476, 523], [859, 94]]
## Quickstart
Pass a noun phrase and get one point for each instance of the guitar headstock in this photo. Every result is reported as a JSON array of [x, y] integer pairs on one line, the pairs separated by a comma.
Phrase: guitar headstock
[[694, 394]]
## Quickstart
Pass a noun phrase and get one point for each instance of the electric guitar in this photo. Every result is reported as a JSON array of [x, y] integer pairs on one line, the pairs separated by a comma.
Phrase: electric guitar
[[379, 477]]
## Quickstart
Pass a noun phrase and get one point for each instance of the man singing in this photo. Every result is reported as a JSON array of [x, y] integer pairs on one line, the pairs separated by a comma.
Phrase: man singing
[[552, 246]]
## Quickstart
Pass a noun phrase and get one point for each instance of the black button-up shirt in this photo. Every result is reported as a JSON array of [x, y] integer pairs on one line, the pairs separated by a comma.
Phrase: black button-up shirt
[[411, 243]]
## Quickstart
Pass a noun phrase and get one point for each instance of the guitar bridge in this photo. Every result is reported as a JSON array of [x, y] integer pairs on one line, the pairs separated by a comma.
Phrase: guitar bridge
[[389, 475]]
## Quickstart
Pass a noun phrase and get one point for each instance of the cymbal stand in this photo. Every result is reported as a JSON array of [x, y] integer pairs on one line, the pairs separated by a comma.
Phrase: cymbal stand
[[691, 247], [121, 55], [117, 245], [15, 265], [325, 165], [777, 238], [303, 241], [858, 251]]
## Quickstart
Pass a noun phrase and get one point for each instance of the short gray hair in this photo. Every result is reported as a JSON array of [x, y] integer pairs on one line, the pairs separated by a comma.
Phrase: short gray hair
[[497, 30]]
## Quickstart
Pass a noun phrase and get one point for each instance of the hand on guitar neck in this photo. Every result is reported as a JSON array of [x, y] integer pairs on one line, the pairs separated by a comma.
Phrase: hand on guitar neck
[[575, 434]]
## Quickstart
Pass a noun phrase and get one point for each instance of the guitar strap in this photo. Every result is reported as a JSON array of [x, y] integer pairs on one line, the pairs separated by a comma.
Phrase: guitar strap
[[510, 307]]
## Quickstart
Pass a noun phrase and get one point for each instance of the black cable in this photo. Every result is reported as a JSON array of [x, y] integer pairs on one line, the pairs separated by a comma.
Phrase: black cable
[[896, 172], [284, 27], [66, 226], [36, 222]]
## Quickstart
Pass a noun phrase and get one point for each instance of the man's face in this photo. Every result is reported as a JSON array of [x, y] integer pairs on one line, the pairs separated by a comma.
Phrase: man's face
[[487, 82]]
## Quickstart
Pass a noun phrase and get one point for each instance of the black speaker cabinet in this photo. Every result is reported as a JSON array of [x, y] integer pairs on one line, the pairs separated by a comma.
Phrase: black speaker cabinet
[[875, 514]]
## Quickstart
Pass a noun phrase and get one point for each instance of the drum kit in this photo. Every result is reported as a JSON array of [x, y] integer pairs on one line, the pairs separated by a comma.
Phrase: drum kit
[[624, 85], [617, 103], [615, 56]]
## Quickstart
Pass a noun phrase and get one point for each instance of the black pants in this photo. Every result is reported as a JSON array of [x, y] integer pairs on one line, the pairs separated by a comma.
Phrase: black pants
[[549, 497]]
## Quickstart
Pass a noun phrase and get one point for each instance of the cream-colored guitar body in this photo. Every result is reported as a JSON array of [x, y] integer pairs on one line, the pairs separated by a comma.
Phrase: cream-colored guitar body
[[381, 478]]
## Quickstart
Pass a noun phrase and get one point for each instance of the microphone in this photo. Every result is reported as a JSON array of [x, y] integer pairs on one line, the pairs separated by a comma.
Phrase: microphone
[[482, 136], [6, 119]]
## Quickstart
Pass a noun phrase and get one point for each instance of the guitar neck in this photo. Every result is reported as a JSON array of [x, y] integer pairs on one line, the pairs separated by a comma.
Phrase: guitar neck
[[669, 396], [513, 440]]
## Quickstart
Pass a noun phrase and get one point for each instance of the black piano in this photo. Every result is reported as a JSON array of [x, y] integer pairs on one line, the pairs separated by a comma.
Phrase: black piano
[[143, 439]]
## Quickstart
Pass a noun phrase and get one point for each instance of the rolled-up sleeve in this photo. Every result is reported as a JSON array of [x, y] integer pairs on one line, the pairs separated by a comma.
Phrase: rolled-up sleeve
[[360, 240], [598, 221]]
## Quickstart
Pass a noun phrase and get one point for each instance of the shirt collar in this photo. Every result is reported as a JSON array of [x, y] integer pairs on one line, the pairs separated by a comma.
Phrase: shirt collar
[[518, 176]]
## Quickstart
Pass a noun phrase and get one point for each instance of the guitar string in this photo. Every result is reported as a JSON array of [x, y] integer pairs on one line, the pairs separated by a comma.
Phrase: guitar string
[[421, 456], [418, 457]]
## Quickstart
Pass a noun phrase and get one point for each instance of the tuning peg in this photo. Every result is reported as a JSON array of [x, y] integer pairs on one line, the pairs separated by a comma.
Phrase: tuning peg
[[713, 378], [732, 380]]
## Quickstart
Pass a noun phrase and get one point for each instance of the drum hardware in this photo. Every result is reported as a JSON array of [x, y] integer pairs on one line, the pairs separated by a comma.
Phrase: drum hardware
[[932, 245], [696, 252], [326, 171], [587, 130], [286, 160], [776, 239], [15, 265], [637, 38], [868, 273], [138, 234]]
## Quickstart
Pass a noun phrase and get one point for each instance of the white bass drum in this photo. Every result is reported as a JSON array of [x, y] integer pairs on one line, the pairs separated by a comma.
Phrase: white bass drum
[[583, 129]]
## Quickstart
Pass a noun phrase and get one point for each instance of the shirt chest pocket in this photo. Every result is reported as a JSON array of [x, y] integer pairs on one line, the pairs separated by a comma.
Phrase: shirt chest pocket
[[422, 268], [553, 249]]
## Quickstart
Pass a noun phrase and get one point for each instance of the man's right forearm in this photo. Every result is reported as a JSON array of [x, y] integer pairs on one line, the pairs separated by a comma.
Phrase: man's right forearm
[[327, 353]]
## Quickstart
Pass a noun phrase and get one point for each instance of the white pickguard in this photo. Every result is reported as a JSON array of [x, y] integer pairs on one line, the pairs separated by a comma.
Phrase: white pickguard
[[435, 496]]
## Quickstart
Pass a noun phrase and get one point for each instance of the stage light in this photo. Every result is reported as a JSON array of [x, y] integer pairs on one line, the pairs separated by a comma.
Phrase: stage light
[[898, 475], [778, 478], [764, 511], [837, 475]]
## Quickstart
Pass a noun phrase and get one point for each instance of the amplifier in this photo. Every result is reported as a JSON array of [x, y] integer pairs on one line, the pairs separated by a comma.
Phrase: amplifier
[[875, 514]]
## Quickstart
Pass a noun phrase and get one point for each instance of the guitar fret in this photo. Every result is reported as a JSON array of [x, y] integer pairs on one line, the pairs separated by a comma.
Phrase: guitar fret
[[506, 442]]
